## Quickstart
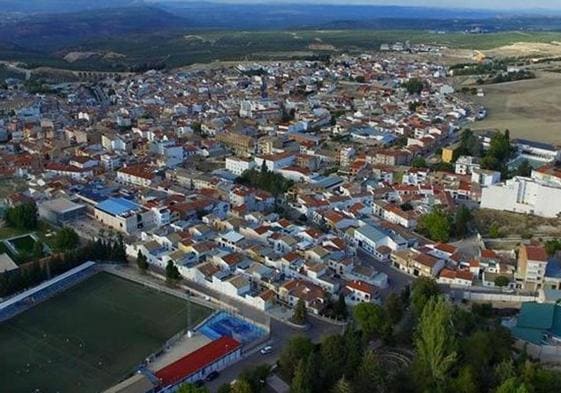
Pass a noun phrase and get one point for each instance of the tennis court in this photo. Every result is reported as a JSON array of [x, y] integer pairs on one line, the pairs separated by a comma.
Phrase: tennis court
[[89, 337]]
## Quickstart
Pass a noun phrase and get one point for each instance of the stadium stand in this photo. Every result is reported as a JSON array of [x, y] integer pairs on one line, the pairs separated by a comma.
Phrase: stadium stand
[[45, 290]]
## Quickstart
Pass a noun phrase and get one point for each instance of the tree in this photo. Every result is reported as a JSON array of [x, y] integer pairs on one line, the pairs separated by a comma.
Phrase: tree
[[435, 345], [501, 281], [38, 250], [241, 386], [340, 307], [470, 144], [172, 273], [369, 375], [419, 162], [371, 319], [512, 385], [301, 381], [393, 308], [333, 353], [424, 289], [342, 386], [142, 261], [413, 86], [298, 347], [191, 388], [23, 216], [552, 246], [300, 314], [461, 220], [436, 225], [465, 382], [66, 239], [504, 370]]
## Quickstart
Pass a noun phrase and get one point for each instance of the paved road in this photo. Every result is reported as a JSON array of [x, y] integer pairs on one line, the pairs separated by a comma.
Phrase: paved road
[[280, 334], [279, 337], [397, 279]]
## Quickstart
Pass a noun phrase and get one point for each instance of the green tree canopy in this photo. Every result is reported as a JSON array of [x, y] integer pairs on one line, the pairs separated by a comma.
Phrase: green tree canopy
[[142, 261], [436, 225], [424, 289], [435, 345], [66, 239], [172, 273], [298, 347], [300, 315], [23, 216], [501, 281]]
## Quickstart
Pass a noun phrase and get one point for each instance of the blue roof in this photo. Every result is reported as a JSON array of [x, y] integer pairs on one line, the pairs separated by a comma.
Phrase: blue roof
[[117, 206], [553, 269]]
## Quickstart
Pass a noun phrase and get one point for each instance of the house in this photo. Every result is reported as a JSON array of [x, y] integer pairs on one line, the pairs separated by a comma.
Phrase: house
[[532, 263], [360, 292], [138, 175], [416, 263], [311, 294], [370, 238]]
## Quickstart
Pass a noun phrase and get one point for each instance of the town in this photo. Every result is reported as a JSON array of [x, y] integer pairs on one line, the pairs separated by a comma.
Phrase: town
[[284, 192]]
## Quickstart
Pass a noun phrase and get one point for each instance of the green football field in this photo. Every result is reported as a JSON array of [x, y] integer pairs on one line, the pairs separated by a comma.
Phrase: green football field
[[89, 337]]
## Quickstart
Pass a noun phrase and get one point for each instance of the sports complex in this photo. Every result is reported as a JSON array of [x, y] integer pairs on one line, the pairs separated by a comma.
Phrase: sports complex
[[89, 330]]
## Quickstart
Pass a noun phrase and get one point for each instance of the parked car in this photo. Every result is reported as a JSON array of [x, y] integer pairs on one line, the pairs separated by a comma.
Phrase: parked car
[[266, 350], [212, 376]]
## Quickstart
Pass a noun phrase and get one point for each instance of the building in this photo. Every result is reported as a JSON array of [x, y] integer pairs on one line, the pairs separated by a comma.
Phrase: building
[[537, 330], [484, 177], [532, 263], [60, 211], [194, 367], [465, 165], [238, 166], [138, 175], [358, 291], [450, 153], [123, 215], [242, 145], [523, 195]]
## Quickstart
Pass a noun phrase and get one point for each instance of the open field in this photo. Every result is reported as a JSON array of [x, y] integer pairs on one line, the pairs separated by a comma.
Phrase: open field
[[184, 47], [529, 108], [516, 224], [89, 337]]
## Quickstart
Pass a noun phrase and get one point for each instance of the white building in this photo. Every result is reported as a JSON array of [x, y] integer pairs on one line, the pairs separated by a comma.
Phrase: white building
[[465, 165], [238, 166], [523, 195], [485, 177]]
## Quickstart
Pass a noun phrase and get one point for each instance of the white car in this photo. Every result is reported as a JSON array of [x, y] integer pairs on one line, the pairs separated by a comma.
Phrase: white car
[[266, 350]]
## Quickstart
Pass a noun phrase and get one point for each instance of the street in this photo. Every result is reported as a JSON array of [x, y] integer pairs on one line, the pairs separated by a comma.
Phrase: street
[[280, 335]]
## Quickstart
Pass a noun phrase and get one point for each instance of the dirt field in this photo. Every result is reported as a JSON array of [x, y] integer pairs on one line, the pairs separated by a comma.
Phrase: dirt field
[[529, 109]]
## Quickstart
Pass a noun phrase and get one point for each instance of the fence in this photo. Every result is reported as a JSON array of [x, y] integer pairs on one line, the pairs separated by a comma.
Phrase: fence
[[46, 290]]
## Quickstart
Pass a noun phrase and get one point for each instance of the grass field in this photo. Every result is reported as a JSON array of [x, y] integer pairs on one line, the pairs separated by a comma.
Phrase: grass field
[[89, 337], [529, 109]]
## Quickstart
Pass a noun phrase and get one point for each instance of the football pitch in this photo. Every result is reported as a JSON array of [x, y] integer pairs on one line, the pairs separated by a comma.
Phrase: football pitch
[[89, 337]]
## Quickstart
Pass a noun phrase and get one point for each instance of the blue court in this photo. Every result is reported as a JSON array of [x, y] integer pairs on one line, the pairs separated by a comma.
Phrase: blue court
[[224, 324]]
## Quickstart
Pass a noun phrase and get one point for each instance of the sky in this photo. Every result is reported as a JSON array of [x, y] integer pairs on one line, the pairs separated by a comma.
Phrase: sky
[[476, 4]]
